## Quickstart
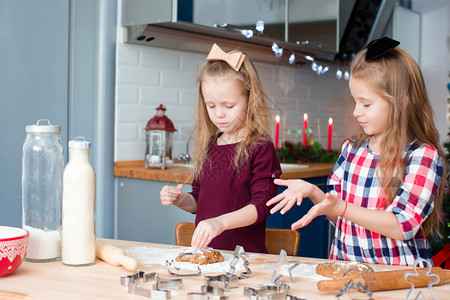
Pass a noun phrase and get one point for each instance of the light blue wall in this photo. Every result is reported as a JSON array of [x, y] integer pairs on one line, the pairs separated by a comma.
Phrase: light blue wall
[[57, 61], [34, 51]]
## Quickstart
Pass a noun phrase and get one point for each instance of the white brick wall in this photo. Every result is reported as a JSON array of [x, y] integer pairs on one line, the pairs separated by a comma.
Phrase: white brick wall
[[148, 76]]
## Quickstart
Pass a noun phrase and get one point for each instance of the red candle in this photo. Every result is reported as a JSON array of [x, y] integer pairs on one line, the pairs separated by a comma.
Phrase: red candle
[[305, 128], [277, 131], [330, 130]]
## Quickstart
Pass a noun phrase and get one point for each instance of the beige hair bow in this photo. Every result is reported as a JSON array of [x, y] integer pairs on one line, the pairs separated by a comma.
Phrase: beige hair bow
[[233, 58]]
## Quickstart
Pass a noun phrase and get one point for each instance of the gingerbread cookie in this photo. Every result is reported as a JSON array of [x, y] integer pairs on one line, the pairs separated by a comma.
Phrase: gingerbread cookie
[[337, 269], [208, 256]]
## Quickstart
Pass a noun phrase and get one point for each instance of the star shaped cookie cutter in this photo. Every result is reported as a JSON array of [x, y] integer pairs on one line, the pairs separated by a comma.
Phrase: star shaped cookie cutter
[[282, 261], [428, 273], [239, 253]]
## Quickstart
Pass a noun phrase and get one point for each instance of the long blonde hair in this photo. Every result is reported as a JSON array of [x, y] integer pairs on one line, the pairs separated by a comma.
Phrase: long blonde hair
[[256, 125], [397, 78]]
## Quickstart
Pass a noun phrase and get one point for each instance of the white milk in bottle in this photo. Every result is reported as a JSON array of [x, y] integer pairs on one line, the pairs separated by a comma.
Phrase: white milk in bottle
[[78, 206]]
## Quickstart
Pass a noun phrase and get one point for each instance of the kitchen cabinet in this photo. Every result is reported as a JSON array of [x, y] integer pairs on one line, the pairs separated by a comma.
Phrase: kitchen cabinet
[[405, 27], [142, 217]]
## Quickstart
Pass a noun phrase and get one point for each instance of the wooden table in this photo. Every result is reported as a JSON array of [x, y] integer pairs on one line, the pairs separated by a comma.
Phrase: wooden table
[[102, 281]]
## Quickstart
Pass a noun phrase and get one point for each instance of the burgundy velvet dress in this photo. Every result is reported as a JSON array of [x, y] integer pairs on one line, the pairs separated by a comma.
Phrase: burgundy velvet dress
[[220, 190]]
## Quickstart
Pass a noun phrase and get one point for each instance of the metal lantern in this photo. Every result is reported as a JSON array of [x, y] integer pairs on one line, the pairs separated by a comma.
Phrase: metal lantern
[[159, 131]]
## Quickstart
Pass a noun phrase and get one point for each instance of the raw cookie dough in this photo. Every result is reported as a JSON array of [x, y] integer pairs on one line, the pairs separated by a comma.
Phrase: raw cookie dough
[[209, 256], [337, 269]]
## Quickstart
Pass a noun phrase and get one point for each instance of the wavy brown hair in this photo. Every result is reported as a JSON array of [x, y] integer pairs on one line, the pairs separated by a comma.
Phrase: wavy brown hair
[[256, 125], [397, 78]]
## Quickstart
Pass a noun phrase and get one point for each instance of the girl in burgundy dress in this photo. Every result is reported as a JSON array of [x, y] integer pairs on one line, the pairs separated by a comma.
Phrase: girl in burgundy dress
[[235, 161], [386, 189]]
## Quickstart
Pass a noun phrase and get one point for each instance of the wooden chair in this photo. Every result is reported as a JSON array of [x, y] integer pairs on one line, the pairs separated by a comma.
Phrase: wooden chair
[[276, 239]]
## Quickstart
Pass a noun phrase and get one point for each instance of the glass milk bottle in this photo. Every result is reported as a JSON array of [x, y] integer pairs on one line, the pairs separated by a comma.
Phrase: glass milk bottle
[[78, 206], [42, 167]]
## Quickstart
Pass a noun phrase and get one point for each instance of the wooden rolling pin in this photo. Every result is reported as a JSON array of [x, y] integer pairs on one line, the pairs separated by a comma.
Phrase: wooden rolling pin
[[391, 280], [114, 256]]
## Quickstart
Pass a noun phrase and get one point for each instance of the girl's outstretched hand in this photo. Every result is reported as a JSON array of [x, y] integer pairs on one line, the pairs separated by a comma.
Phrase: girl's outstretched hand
[[205, 231], [329, 205], [295, 192], [169, 194]]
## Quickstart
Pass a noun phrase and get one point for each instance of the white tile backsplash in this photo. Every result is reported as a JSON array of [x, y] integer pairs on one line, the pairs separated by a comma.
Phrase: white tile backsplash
[[152, 94], [148, 76], [138, 76]]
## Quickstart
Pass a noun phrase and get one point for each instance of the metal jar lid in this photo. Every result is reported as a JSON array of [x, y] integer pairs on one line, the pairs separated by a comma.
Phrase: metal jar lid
[[79, 143], [38, 127]]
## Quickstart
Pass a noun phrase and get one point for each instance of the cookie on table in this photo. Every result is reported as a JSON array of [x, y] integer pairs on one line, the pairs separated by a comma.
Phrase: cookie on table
[[337, 269], [208, 256]]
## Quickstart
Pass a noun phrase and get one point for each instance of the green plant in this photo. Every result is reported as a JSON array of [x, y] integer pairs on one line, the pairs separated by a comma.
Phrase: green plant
[[293, 153]]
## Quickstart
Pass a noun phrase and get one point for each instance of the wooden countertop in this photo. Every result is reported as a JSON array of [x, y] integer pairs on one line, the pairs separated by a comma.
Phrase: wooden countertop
[[179, 173], [54, 280]]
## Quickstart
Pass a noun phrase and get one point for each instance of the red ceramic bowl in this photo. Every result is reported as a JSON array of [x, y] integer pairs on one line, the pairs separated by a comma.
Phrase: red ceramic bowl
[[13, 248]]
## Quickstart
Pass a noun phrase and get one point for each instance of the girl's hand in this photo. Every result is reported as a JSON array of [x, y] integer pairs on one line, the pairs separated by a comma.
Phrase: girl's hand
[[169, 194], [295, 192], [329, 206], [205, 231]]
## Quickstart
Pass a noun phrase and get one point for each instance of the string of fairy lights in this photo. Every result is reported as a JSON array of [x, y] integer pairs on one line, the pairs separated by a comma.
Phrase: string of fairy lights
[[278, 51]]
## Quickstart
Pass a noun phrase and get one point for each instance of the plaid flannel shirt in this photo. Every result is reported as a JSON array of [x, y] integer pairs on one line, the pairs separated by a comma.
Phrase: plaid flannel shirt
[[354, 180]]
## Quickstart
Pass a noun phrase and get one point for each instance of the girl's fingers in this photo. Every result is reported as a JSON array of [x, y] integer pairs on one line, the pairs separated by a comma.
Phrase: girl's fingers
[[275, 199], [305, 220], [282, 182], [173, 190], [204, 241], [288, 206], [198, 237], [278, 207]]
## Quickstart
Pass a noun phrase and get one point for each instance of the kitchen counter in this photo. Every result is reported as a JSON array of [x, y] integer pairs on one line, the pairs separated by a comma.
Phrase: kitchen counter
[[180, 173], [54, 280]]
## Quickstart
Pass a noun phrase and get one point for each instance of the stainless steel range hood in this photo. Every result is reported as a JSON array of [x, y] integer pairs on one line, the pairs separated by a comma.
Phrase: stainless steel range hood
[[192, 37], [155, 23]]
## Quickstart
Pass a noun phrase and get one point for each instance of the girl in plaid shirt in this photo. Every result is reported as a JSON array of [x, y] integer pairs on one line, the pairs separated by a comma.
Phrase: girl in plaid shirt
[[385, 191]]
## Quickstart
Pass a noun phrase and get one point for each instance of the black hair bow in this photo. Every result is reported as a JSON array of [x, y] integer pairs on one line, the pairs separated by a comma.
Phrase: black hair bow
[[379, 47]]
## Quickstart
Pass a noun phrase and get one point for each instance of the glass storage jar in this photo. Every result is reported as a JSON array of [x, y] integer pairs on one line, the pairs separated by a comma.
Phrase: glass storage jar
[[42, 167]]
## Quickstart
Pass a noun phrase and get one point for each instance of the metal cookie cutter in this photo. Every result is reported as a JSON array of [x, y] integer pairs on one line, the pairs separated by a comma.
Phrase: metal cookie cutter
[[222, 281], [208, 293], [161, 290], [176, 271], [137, 277], [363, 285], [416, 273], [292, 297], [282, 260], [168, 284], [266, 292], [239, 253]]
